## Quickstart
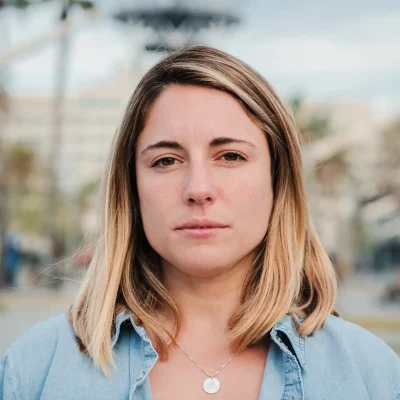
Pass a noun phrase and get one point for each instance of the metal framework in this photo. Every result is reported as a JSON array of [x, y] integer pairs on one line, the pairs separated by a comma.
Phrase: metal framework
[[165, 21]]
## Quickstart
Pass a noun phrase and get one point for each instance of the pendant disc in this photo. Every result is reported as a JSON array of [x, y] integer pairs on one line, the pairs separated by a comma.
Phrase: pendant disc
[[211, 385]]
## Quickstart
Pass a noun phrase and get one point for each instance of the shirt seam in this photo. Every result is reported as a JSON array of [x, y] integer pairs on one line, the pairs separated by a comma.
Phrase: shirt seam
[[15, 392], [130, 366]]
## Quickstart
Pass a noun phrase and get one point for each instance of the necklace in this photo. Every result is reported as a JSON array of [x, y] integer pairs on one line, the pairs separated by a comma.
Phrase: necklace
[[211, 385]]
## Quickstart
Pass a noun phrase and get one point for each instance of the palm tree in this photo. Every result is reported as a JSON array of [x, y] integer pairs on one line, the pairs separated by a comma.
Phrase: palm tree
[[4, 212], [4, 107], [55, 147], [4, 103], [390, 163], [325, 172], [329, 170]]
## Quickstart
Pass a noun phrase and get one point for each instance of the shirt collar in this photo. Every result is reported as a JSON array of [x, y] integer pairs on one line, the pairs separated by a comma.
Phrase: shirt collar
[[298, 342], [123, 316], [286, 326]]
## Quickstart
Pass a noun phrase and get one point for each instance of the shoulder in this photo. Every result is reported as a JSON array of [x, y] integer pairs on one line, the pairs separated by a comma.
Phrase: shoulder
[[357, 340], [28, 359], [352, 350], [41, 339]]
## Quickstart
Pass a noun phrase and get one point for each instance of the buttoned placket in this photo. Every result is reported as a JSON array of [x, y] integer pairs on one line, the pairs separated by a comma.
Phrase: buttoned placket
[[142, 362], [140, 384], [293, 363]]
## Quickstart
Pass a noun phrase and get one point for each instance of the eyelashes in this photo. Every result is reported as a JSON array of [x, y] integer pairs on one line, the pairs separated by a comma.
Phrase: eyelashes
[[156, 164]]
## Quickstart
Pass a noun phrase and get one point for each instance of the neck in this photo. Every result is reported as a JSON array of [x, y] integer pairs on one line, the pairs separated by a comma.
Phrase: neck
[[206, 303]]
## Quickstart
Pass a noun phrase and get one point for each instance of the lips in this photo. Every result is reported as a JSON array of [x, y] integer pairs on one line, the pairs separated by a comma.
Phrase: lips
[[202, 224], [206, 231]]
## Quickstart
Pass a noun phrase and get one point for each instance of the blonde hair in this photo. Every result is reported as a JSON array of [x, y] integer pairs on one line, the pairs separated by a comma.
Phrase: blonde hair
[[292, 274]]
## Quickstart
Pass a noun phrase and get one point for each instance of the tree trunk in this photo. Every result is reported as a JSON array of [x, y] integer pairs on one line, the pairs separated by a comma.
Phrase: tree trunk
[[56, 138]]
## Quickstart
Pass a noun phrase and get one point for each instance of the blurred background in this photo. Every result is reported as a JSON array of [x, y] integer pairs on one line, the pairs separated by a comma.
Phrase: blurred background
[[67, 69]]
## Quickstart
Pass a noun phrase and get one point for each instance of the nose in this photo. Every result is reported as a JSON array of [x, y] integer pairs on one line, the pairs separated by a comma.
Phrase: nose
[[200, 187]]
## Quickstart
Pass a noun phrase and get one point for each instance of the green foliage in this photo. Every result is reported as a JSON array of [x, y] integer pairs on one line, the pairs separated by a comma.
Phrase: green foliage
[[28, 199], [317, 127], [295, 103], [19, 3], [360, 234], [312, 126], [21, 162], [22, 4], [4, 98], [86, 5], [390, 159], [338, 165], [28, 210], [391, 144], [28, 213], [87, 191]]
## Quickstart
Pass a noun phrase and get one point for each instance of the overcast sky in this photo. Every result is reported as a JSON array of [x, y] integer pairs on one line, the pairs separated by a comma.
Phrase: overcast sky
[[326, 50]]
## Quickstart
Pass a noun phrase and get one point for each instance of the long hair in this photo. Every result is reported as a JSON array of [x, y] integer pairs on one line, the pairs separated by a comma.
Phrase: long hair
[[291, 274]]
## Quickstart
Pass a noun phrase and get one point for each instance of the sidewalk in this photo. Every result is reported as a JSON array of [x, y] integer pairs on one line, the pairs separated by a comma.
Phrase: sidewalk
[[19, 310], [358, 302]]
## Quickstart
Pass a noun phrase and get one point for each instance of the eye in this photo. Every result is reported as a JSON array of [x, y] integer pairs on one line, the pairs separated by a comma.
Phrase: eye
[[163, 164], [232, 156], [168, 161]]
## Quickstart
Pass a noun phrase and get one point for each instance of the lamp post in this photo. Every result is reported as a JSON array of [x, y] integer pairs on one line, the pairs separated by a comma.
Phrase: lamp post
[[56, 137], [4, 108], [174, 20]]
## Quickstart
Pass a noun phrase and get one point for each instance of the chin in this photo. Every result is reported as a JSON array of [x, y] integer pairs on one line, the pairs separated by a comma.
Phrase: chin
[[203, 267]]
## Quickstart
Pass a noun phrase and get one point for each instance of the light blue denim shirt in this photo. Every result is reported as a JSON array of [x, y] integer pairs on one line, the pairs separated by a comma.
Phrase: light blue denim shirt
[[340, 361]]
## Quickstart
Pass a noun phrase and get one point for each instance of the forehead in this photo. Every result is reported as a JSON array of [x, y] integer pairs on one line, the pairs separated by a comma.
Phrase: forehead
[[192, 98], [186, 111]]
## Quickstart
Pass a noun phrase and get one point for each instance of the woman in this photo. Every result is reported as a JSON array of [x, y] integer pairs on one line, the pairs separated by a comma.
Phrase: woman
[[208, 278]]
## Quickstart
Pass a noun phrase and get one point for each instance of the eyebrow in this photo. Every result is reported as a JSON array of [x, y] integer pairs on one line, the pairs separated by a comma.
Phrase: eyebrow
[[169, 144]]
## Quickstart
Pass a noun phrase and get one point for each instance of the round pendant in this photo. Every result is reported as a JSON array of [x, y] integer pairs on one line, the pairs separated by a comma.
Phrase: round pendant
[[211, 385]]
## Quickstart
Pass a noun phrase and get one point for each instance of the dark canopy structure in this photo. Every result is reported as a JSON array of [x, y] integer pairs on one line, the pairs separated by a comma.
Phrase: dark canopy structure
[[166, 20]]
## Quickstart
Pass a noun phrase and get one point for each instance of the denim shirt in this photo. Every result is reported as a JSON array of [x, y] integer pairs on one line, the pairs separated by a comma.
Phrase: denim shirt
[[340, 361]]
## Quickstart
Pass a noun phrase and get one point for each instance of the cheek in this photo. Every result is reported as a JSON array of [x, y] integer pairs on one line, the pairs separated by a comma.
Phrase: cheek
[[248, 190], [238, 190], [156, 198], [251, 198]]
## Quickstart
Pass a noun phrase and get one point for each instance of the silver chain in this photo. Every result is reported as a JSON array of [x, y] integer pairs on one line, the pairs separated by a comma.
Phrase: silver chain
[[208, 374]]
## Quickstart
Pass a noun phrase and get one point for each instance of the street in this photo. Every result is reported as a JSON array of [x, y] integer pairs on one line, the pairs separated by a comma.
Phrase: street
[[358, 301]]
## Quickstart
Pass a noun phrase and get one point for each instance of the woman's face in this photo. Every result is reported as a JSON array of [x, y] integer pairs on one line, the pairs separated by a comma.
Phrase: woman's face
[[214, 164]]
